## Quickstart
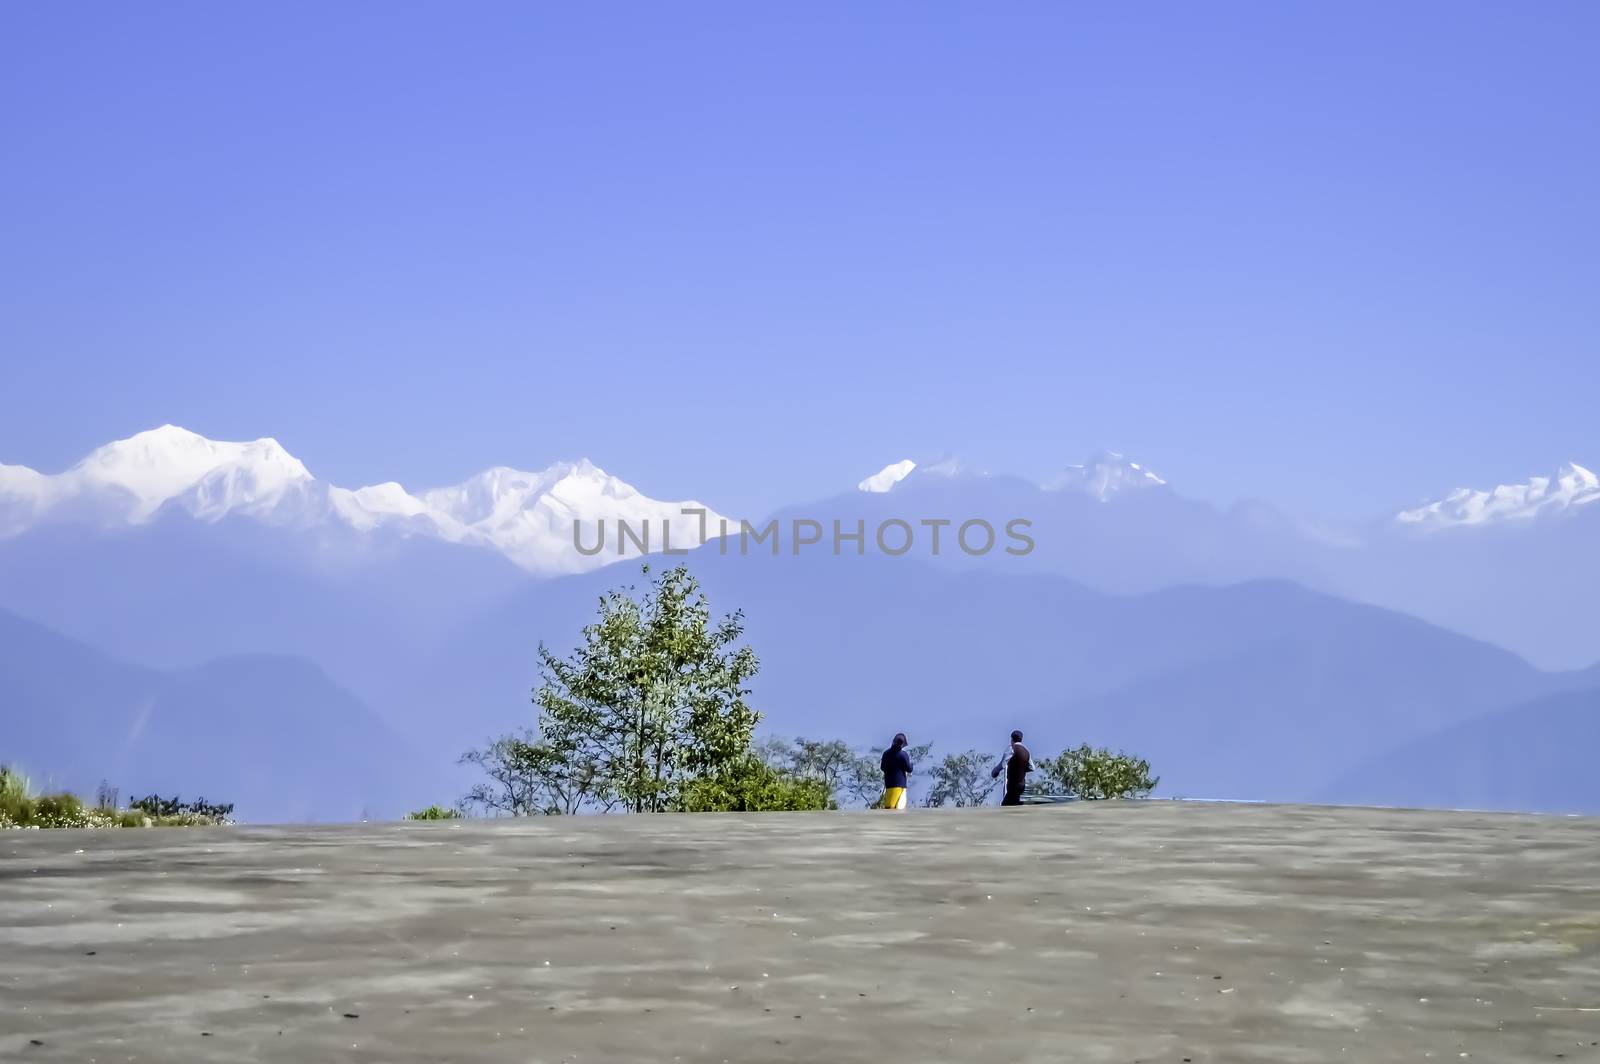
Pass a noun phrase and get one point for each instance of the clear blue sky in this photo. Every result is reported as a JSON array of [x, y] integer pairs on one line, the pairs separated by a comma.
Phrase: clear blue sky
[[1339, 256]]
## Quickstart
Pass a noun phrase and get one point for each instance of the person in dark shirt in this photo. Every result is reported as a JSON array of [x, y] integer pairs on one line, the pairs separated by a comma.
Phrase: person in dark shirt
[[896, 773], [1016, 764]]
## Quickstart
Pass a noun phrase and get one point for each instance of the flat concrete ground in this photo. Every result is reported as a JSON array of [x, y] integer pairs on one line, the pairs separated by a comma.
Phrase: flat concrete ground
[[1108, 932]]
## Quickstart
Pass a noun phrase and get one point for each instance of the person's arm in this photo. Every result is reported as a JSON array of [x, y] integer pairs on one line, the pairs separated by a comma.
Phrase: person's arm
[[905, 762], [1001, 767]]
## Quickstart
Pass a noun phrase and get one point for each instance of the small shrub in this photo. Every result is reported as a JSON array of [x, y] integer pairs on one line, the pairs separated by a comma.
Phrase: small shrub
[[21, 808], [1096, 774], [59, 811], [435, 812], [159, 809]]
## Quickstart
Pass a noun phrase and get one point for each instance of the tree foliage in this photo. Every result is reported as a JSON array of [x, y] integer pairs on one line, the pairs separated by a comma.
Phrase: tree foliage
[[853, 777], [961, 780], [653, 699], [157, 807], [527, 776], [650, 713], [751, 785], [1092, 773]]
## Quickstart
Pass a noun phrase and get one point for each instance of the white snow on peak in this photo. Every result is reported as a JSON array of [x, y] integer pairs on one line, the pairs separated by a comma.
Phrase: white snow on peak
[[24, 494], [528, 517], [888, 476], [1104, 476], [500, 493], [907, 471], [160, 464], [127, 481], [390, 505], [1572, 486]]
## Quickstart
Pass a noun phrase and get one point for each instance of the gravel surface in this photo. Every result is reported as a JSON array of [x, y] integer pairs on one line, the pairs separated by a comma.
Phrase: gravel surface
[[1143, 931]]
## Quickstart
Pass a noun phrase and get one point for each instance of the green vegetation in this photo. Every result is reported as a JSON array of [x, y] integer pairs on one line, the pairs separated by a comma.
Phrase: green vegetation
[[1094, 774], [21, 807], [651, 704], [435, 812], [650, 714], [853, 778], [750, 785], [159, 808], [962, 780], [530, 777]]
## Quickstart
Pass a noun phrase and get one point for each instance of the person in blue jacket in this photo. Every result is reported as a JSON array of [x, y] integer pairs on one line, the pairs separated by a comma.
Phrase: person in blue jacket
[[896, 773]]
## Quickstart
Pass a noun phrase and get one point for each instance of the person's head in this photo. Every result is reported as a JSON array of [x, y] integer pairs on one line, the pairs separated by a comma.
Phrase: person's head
[[1016, 737], [899, 739]]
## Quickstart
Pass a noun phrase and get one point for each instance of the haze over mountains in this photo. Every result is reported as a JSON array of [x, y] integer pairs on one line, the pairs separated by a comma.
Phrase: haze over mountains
[[1223, 643]]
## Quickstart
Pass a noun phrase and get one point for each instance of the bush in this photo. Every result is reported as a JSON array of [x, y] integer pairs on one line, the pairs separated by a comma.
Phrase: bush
[[435, 812], [751, 785], [158, 808], [59, 811], [20, 807], [1093, 774]]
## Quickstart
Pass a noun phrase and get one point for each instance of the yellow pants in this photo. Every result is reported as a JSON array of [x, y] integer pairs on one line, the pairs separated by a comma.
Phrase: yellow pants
[[894, 798]]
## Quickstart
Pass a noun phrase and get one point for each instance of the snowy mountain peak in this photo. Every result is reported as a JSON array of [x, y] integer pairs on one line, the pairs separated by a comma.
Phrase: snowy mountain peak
[[1571, 487], [528, 517], [152, 467], [1579, 478], [887, 477], [908, 471], [502, 492], [1105, 476]]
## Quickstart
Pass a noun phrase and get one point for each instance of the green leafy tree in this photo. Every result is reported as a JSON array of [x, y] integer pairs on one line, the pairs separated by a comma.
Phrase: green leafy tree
[[1093, 774], [527, 776], [435, 812], [751, 785], [654, 697], [962, 780], [830, 761]]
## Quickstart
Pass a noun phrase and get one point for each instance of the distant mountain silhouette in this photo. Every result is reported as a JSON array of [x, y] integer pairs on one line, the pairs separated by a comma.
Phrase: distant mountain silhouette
[[177, 592], [1261, 690], [1256, 689], [1537, 756], [272, 734]]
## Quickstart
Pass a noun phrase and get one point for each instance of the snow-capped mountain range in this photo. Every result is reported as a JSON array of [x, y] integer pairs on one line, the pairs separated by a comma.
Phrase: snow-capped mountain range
[[1104, 476], [1571, 488], [528, 517]]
